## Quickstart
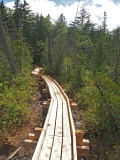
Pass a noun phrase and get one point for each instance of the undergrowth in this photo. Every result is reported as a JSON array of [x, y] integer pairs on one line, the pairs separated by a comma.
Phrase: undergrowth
[[15, 96], [99, 113]]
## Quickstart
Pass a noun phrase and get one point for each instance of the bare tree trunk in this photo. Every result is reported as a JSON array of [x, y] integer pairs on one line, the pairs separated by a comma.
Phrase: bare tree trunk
[[49, 51], [22, 34], [115, 72], [7, 49]]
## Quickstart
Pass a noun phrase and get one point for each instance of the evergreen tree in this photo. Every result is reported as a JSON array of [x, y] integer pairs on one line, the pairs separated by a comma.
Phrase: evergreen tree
[[3, 11], [104, 24], [26, 19], [18, 13], [2, 6], [82, 18], [40, 32], [22, 17], [62, 19], [59, 41]]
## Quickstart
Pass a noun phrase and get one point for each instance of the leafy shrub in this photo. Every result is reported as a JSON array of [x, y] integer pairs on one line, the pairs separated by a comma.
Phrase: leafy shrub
[[99, 113], [101, 105], [14, 101]]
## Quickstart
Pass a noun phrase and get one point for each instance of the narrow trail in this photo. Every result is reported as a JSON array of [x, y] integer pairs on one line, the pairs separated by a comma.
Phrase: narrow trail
[[58, 137], [57, 140]]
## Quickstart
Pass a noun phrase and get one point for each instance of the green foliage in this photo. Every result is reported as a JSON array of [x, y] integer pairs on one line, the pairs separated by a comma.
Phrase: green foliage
[[99, 112], [100, 99], [14, 102], [83, 58], [21, 55]]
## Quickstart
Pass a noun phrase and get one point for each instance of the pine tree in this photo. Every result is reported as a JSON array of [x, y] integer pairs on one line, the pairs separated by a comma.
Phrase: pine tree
[[104, 24], [26, 19], [83, 17], [3, 11], [2, 6], [62, 19], [18, 13], [17, 4]]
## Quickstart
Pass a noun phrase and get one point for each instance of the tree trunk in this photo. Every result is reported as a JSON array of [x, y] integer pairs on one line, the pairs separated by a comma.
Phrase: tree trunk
[[7, 49], [115, 72], [49, 51]]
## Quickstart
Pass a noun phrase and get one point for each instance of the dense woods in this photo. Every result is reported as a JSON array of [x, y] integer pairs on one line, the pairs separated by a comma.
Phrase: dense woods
[[82, 55]]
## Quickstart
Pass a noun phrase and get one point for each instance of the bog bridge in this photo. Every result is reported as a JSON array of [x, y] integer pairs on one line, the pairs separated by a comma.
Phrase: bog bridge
[[58, 139]]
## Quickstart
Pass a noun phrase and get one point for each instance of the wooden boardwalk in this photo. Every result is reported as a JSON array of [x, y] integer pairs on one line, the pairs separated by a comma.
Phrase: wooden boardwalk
[[57, 140]]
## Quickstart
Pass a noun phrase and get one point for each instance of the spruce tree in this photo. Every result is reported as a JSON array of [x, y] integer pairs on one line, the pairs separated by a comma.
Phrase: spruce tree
[[18, 13], [62, 19], [3, 11], [82, 18], [104, 24]]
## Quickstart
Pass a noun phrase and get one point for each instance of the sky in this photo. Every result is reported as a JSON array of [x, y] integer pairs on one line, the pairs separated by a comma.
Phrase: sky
[[96, 8]]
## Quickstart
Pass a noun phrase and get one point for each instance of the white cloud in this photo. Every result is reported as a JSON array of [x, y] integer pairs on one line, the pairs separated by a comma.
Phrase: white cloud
[[9, 4], [46, 6], [111, 9]]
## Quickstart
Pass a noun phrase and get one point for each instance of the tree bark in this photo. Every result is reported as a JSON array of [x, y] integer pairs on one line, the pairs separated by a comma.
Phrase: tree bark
[[115, 72], [7, 48], [49, 51]]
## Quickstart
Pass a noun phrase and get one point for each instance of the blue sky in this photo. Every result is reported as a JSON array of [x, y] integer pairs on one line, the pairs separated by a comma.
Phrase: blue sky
[[96, 8], [56, 1], [69, 2]]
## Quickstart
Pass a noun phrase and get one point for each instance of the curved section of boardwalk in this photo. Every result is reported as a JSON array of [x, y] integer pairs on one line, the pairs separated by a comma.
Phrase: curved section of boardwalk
[[57, 140]]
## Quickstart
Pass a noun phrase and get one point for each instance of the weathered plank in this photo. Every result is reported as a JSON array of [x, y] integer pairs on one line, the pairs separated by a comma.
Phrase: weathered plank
[[48, 141], [74, 150]]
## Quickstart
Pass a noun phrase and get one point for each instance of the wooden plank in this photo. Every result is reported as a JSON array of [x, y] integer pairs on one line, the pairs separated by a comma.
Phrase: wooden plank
[[66, 150], [58, 130], [73, 106], [56, 150], [29, 144], [45, 90], [48, 142], [57, 144], [36, 71], [37, 133], [46, 149], [74, 150], [31, 136], [72, 130], [86, 142], [66, 147], [42, 136], [52, 120], [79, 137], [66, 144], [46, 105], [83, 151]]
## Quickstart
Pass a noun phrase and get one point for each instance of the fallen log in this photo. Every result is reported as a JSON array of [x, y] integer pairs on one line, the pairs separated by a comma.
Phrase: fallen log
[[14, 154]]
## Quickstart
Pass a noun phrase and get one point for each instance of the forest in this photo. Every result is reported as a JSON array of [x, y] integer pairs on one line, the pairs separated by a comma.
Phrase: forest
[[82, 56]]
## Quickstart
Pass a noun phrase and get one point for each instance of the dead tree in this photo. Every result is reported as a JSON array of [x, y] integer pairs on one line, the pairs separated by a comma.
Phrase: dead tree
[[115, 72], [49, 51], [7, 48]]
